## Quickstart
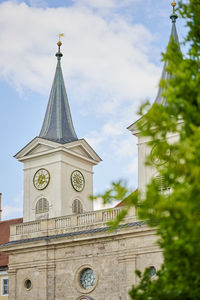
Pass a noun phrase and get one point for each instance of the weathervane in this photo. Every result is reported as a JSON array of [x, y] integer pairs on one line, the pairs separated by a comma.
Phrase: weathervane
[[59, 42]]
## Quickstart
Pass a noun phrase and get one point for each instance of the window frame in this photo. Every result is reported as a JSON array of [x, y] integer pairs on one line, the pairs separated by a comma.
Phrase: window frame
[[162, 184], [40, 206], [2, 286], [77, 207]]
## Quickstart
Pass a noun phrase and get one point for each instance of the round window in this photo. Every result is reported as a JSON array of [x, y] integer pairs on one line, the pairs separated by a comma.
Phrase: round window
[[28, 284], [87, 279]]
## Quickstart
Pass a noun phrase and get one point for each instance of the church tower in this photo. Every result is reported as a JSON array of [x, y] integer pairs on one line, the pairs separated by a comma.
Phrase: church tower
[[146, 173], [58, 167]]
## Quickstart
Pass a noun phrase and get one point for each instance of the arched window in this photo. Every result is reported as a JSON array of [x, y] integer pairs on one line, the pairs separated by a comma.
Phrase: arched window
[[84, 298], [152, 271], [42, 206], [77, 207]]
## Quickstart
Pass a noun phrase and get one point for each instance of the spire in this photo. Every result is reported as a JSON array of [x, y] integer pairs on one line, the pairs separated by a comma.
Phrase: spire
[[165, 74], [57, 125]]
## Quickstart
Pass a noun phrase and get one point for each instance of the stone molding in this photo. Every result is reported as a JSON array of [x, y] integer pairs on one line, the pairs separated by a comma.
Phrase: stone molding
[[84, 298], [77, 279], [64, 224]]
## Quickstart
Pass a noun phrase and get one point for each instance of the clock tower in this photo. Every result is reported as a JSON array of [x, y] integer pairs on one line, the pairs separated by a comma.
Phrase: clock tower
[[146, 172], [58, 167]]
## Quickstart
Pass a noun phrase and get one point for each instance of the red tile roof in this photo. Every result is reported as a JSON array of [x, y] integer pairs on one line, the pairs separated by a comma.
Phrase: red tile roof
[[123, 202], [4, 237], [120, 204]]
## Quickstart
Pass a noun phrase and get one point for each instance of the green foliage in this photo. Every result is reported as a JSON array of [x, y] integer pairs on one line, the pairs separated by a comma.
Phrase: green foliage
[[175, 214], [118, 191]]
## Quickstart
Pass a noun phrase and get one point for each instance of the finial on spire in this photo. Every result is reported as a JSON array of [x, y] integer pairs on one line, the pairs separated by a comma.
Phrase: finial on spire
[[174, 16], [59, 54], [173, 5]]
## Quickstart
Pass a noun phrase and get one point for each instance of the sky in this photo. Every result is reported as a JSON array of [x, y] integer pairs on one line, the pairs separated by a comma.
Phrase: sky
[[111, 64]]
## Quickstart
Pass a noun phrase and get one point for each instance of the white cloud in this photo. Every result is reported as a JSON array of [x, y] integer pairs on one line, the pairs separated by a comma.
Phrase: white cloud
[[15, 210], [111, 133], [37, 3], [116, 146], [132, 167], [108, 56], [95, 139], [127, 147], [11, 212], [110, 106], [110, 4], [98, 204], [97, 3], [113, 129]]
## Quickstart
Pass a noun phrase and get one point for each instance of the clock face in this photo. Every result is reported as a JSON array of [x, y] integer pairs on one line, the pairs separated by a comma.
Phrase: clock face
[[155, 156], [77, 180], [87, 279], [41, 179]]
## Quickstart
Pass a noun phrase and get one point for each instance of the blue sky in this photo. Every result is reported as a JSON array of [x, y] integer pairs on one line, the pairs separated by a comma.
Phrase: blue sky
[[111, 63]]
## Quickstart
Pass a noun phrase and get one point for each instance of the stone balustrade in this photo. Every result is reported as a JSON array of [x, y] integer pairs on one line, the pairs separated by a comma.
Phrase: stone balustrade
[[64, 224], [28, 227]]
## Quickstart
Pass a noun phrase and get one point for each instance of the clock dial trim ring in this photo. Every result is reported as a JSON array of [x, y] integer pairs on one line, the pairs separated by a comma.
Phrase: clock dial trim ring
[[75, 183], [154, 157], [38, 184]]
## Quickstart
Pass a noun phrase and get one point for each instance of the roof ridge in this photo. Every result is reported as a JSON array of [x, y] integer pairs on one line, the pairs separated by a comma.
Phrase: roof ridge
[[9, 220]]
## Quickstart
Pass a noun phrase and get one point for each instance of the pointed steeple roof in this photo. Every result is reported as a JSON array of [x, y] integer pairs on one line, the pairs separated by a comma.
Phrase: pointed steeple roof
[[57, 125], [165, 75]]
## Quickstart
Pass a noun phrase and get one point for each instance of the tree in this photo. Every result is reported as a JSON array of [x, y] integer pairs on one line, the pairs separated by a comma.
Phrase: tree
[[176, 215]]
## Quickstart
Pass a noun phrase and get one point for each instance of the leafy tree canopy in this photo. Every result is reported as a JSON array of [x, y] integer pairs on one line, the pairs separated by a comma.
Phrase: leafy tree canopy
[[175, 214]]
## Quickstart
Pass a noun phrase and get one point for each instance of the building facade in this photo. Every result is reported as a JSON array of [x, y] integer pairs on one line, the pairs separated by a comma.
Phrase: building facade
[[3, 284], [4, 238], [63, 249]]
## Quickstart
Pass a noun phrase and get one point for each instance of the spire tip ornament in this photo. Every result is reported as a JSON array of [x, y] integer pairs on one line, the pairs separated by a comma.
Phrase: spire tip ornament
[[59, 43], [59, 54], [173, 4], [174, 16]]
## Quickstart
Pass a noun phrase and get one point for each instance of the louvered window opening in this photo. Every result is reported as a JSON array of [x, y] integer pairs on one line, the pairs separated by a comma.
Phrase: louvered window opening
[[161, 183], [42, 206], [77, 207]]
